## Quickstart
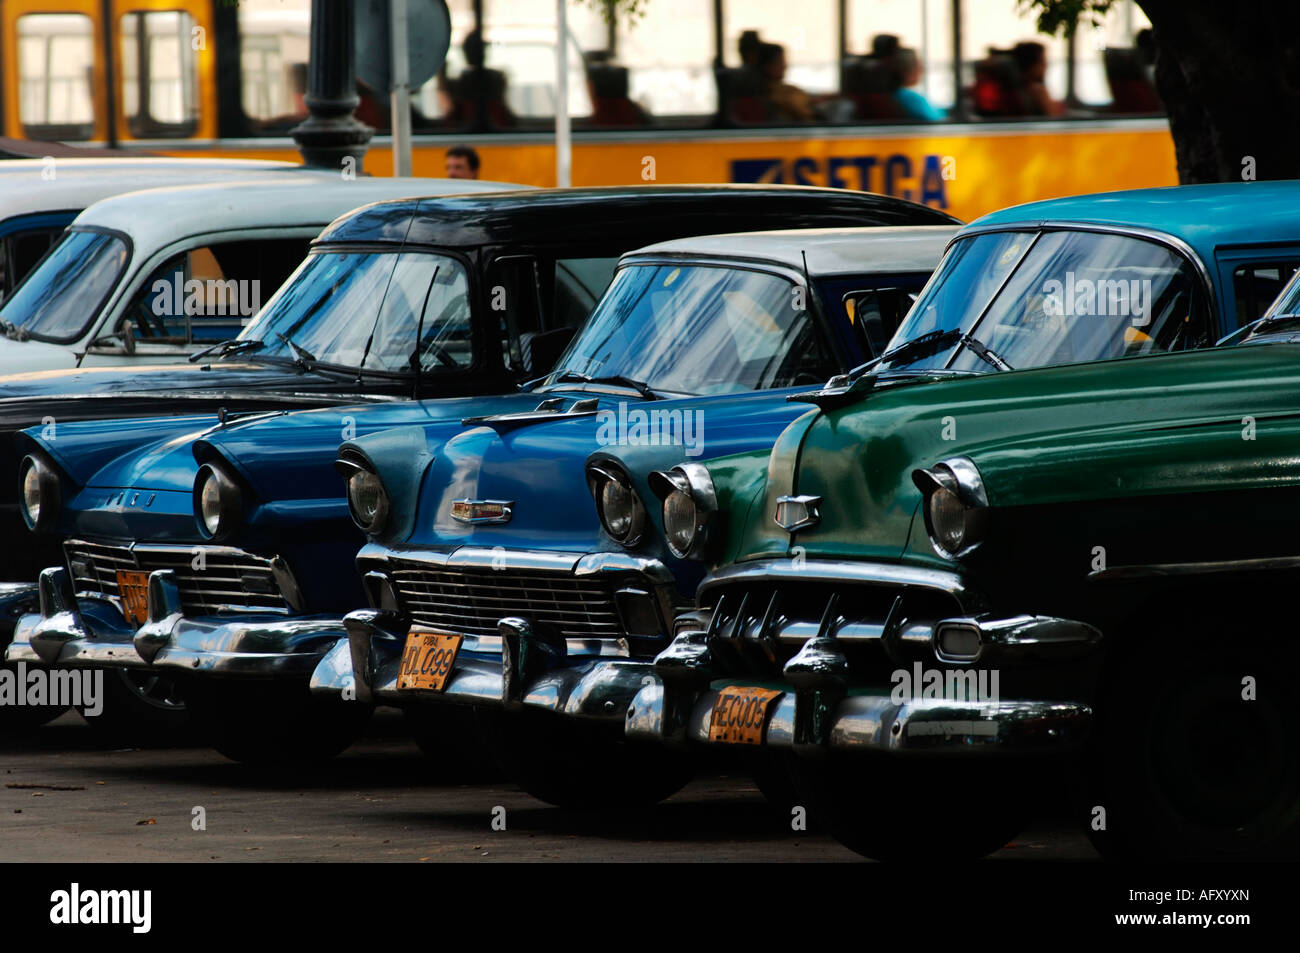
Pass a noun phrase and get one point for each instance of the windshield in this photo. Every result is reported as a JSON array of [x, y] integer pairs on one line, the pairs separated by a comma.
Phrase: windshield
[[1023, 299], [363, 309], [64, 293], [690, 329]]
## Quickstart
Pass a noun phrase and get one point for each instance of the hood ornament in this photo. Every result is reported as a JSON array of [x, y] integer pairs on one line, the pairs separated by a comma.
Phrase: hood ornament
[[794, 513], [476, 512]]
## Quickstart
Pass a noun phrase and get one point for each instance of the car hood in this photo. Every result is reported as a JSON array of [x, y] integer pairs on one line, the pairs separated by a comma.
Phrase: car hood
[[1194, 422], [283, 458], [540, 467], [19, 356]]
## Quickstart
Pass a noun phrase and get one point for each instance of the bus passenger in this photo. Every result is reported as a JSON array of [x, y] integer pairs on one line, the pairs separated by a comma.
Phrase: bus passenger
[[477, 83], [1031, 58], [784, 101], [904, 69]]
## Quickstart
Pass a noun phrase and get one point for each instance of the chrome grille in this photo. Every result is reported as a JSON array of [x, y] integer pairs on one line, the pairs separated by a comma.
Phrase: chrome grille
[[229, 577], [473, 601]]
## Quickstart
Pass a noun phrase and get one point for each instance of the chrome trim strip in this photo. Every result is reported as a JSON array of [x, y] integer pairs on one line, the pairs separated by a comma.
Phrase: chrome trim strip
[[817, 570]]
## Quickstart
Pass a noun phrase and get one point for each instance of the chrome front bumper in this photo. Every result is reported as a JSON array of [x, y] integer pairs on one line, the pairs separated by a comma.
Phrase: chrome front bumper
[[522, 665], [877, 723], [523, 673], [16, 600], [824, 703], [89, 631]]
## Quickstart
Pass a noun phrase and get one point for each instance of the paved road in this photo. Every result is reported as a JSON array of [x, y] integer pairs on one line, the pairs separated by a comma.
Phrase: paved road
[[379, 801]]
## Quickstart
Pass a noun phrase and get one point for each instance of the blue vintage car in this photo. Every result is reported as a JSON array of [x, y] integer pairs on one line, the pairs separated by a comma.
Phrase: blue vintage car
[[484, 548], [199, 545], [520, 604]]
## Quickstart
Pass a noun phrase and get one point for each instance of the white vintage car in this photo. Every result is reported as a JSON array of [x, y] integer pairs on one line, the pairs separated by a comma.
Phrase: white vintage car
[[152, 276], [41, 197]]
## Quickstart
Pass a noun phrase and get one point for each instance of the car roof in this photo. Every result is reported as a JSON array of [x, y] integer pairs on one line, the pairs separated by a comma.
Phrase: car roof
[[551, 216], [1205, 217], [28, 186], [830, 251], [156, 217]]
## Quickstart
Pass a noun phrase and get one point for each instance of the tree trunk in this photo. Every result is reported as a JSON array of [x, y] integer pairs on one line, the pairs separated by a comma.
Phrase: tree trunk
[[1229, 73]]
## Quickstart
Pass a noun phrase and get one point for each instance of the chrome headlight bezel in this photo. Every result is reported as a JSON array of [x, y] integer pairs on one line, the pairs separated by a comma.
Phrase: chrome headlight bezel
[[602, 475], [46, 483], [356, 472], [686, 482], [229, 500], [954, 483]]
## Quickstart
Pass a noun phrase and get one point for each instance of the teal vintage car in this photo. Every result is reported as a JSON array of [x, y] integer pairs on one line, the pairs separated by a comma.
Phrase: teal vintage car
[[1037, 534]]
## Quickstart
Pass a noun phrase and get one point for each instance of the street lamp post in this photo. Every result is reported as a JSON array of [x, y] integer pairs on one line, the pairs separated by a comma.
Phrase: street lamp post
[[331, 135]]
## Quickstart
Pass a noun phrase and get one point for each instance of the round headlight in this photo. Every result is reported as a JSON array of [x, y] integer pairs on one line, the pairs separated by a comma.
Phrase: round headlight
[[948, 520], [689, 501], [368, 500], [681, 522], [617, 504], [956, 506], [40, 494], [218, 502]]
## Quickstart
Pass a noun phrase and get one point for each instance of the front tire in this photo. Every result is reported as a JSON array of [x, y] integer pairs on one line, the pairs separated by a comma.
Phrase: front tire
[[1185, 764], [894, 808], [138, 705], [274, 724], [582, 765]]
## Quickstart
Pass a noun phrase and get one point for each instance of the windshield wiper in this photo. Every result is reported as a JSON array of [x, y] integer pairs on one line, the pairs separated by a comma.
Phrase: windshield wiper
[[303, 358], [931, 342], [229, 346], [641, 387], [12, 330], [986, 353]]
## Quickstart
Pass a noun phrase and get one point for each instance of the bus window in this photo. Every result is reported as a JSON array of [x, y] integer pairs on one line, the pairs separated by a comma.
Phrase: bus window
[[505, 72], [159, 74], [667, 56], [55, 56], [1114, 68], [898, 59], [273, 48]]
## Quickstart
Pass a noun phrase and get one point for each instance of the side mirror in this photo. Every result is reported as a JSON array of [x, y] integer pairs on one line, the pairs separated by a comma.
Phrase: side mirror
[[123, 340]]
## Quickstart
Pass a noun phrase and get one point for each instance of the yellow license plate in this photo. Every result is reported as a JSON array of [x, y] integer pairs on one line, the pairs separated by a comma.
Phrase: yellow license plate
[[740, 714], [133, 588], [427, 660]]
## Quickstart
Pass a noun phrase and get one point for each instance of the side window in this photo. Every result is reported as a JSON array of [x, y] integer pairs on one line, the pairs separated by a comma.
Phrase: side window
[[56, 53], [1254, 286], [159, 74], [209, 293], [513, 302], [19, 253], [876, 314], [579, 283]]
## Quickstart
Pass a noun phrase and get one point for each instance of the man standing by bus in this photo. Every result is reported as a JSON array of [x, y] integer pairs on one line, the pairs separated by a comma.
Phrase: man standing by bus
[[462, 162]]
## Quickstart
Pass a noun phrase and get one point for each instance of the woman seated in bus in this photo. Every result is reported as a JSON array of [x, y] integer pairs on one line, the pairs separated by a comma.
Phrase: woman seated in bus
[[1031, 59], [783, 101], [904, 69]]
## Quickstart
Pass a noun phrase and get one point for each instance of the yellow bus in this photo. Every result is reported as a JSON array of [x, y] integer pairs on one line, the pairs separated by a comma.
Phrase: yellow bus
[[665, 97]]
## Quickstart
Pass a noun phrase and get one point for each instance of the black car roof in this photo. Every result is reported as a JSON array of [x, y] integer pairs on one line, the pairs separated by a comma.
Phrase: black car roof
[[548, 216]]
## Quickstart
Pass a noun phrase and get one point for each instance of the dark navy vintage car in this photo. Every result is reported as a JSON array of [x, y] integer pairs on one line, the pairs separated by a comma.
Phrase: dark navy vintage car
[[492, 582], [237, 526]]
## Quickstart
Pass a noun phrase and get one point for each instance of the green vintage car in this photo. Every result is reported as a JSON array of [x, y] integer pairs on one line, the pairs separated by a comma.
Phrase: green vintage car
[[1037, 535]]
